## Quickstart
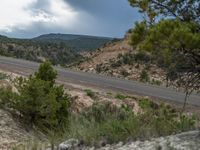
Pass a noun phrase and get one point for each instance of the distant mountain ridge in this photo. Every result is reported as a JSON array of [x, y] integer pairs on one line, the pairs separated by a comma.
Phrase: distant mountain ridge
[[63, 49], [78, 42], [68, 36]]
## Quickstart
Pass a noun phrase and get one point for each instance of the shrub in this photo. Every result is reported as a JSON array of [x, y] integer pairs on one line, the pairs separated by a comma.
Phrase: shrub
[[113, 124], [145, 103], [90, 93], [116, 64], [128, 58], [156, 82], [98, 68], [3, 76], [144, 77], [7, 97], [120, 96], [39, 101], [142, 57], [124, 73]]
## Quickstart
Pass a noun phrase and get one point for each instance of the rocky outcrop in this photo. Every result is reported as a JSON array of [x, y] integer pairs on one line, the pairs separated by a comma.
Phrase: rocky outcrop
[[184, 141], [11, 133]]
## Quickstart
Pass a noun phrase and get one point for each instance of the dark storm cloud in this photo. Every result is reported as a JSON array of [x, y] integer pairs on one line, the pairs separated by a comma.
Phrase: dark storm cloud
[[95, 17], [116, 16]]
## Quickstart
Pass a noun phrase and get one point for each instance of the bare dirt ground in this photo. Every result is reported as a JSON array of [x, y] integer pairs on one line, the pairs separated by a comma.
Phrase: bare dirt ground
[[105, 57], [104, 54]]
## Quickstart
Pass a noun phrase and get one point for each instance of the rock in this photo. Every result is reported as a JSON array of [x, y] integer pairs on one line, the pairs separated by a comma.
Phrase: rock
[[120, 144], [69, 144], [102, 143], [184, 141]]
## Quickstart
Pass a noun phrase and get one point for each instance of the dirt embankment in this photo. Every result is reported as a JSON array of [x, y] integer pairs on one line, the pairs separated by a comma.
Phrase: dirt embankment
[[106, 61]]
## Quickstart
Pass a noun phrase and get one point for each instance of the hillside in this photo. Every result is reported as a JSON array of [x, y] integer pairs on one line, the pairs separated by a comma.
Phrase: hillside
[[119, 59], [38, 51], [109, 111], [58, 48], [77, 42]]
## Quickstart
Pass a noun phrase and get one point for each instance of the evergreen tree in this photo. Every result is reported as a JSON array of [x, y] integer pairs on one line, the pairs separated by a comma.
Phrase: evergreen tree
[[171, 33]]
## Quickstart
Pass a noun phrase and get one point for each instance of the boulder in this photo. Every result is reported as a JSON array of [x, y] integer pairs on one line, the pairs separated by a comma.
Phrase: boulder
[[69, 144]]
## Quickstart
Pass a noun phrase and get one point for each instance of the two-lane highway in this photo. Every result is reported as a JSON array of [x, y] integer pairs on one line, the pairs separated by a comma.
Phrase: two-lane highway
[[26, 67]]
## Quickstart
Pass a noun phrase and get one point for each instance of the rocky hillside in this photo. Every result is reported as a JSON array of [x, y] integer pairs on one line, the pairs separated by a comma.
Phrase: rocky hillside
[[62, 49], [57, 53], [119, 59], [184, 141], [84, 133], [12, 132]]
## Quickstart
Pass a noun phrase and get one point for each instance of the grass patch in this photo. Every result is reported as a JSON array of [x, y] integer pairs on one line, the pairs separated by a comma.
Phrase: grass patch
[[3, 76], [90, 93], [120, 97], [112, 124], [156, 82], [31, 145], [109, 93]]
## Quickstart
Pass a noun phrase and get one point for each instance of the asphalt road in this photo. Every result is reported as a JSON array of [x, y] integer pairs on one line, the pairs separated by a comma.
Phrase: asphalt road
[[26, 67]]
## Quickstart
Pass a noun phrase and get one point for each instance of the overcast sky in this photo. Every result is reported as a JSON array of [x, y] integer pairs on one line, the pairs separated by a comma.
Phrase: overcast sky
[[30, 18]]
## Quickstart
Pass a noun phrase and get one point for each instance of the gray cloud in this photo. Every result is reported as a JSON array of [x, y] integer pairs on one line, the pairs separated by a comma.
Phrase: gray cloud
[[95, 17]]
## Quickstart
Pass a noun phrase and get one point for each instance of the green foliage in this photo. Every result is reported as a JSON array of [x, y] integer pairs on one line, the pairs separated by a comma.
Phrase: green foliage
[[142, 57], [146, 104], [90, 93], [46, 72], [155, 82], [116, 64], [7, 98], [130, 59], [98, 68], [144, 77], [38, 51], [41, 104], [120, 97], [114, 124], [39, 101], [184, 10], [109, 93], [79, 43], [31, 145], [3, 76], [139, 33], [173, 42]]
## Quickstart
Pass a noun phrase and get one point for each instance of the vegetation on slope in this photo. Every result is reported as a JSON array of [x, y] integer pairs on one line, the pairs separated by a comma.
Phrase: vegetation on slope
[[58, 48], [111, 124], [174, 42], [79, 43], [57, 53], [38, 100], [43, 105]]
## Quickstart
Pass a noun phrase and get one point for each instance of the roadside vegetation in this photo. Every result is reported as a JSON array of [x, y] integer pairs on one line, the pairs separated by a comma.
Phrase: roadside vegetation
[[58, 53], [38, 102], [141, 60], [171, 43], [3, 76], [111, 124], [43, 105], [120, 96], [90, 93], [170, 34]]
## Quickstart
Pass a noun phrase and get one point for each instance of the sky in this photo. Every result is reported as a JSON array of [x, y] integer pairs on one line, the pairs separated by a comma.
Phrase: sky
[[31, 18]]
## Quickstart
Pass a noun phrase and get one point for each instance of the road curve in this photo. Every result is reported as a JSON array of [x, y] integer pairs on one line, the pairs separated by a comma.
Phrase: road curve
[[26, 67]]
